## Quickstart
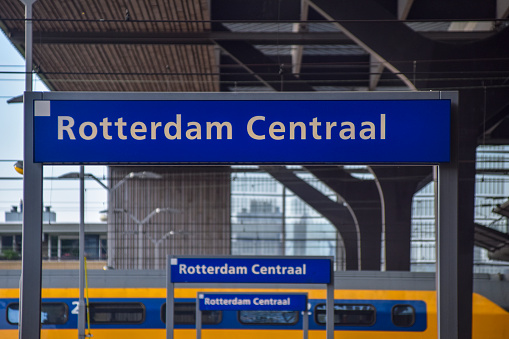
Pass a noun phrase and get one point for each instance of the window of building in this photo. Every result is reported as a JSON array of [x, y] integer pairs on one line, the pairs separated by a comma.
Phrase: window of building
[[103, 247], [10, 245], [116, 313], [347, 314], [403, 315], [268, 317], [67, 247]]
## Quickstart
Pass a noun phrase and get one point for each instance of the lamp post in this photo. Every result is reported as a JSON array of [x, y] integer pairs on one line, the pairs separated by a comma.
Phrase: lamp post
[[132, 175], [140, 224], [81, 175], [156, 246], [159, 242]]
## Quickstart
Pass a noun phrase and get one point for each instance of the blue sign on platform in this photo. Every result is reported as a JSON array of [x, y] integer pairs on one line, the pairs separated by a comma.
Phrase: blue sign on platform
[[252, 302], [241, 131], [250, 270]]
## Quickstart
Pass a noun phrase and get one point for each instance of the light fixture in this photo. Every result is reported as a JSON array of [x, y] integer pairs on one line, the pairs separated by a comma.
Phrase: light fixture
[[502, 209], [132, 175], [141, 224], [18, 166]]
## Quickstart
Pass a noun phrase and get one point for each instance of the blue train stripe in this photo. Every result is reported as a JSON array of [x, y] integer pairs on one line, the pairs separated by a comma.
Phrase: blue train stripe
[[383, 311]]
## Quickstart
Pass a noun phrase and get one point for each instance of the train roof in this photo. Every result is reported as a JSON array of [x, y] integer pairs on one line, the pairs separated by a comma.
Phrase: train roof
[[493, 286], [360, 280]]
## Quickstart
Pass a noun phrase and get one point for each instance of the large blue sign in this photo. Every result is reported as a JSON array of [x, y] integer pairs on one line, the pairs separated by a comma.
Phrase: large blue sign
[[250, 270], [252, 302], [241, 131]]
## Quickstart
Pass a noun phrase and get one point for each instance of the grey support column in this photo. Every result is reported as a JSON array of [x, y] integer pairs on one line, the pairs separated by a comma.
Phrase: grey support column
[[448, 269], [305, 321], [170, 300], [81, 302], [30, 284], [329, 322], [198, 317]]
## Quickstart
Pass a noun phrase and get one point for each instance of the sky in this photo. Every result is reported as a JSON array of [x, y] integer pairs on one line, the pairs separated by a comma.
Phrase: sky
[[61, 195]]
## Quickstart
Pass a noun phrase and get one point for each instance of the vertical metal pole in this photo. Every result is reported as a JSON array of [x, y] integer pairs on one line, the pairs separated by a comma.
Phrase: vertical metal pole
[[156, 255], [329, 322], [447, 269], [283, 217], [81, 302], [198, 317], [28, 46], [140, 246], [305, 320], [447, 254], [31, 270], [111, 229], [170, 300]]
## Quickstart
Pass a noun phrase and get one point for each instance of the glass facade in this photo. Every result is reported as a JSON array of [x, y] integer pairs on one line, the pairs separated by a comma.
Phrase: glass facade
[[491, 189], [268, 219]]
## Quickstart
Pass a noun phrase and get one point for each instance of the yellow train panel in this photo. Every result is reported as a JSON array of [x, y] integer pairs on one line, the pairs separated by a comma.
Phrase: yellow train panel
[[489, 320]]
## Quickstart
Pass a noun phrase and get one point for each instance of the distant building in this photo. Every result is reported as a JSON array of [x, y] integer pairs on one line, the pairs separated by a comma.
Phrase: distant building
[[16, 214], [491, 189], [262, 209], [268, 219], [259, 230], [60, 240]]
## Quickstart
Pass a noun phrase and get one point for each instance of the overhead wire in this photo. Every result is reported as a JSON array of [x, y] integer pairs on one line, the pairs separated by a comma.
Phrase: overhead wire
[[260, 21]]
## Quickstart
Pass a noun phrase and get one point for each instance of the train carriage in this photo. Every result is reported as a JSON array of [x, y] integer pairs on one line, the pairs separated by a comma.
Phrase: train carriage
[[131, 304]]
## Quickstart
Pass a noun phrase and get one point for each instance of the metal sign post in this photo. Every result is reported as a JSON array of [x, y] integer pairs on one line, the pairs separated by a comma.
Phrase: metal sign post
[[31, 266], [446, 225], [252, 302], [241, 270]]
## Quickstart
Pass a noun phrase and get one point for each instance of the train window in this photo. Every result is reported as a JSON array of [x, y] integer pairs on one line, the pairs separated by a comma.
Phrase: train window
[[116, 313], [51, 313], [185, 314], [268, 317], [348, 314], [403, 315]]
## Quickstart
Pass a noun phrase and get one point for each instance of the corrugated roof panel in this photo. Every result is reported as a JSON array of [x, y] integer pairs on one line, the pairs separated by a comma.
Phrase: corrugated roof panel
[[334, 50], [429, 26], [259, 27], [280, 27], [117, 67], [274, 50]]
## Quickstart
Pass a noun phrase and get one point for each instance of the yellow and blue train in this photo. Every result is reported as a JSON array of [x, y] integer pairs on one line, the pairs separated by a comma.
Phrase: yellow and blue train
[[131, 304]]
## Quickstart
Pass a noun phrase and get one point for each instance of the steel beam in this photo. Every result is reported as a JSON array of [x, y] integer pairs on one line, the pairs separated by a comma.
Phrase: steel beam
[[267, 70], [208, 38], [364, 199], [337, 214]]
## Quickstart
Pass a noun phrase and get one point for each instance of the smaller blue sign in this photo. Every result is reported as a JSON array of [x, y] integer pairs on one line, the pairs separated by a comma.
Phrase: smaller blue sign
[[252, 302], [251, 270]]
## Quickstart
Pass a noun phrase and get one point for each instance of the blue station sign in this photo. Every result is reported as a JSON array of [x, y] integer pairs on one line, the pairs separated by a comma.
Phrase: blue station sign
[[250, 270], [241, 131], [252, 302]]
